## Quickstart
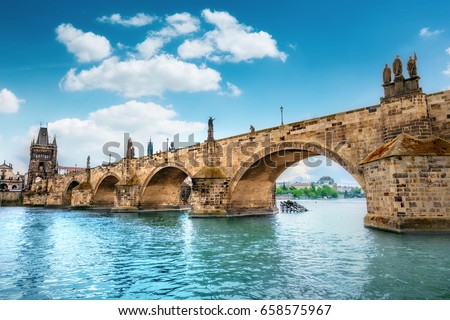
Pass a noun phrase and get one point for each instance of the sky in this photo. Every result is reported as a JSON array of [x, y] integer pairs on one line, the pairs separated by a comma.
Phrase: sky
[[94, 70]]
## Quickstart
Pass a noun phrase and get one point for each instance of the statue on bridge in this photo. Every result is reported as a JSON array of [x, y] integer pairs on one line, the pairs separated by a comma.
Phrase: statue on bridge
[[387, 74], [211, 129], [397, 67], [130, 149], [88, 162], [252, 129], [411, 66]]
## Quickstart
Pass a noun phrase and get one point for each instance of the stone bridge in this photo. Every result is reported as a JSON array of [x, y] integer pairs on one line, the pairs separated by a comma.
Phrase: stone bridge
[[398, 151]]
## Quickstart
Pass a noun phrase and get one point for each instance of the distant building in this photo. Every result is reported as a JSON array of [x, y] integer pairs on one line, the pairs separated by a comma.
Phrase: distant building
[[326, 180], [345, 188], [43, 158], [10, 181], [150, 147], [300, 185]]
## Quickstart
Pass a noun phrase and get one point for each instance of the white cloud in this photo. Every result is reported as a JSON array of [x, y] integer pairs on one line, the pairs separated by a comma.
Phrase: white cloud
[[86, 46], [293, 46], [78, 138], [425, 32], [191, 49], [447, 71], [139, 20], [232, 41], [447, 50], [136, 78], [9, 103], [297, 172], [179, 24], [121, 46], [233, 91], [150, 47], [313, 168]]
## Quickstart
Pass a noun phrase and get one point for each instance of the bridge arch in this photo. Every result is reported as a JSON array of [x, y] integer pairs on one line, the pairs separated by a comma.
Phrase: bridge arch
[[67, 196], [252, 187], [104, 191], [162, 187]]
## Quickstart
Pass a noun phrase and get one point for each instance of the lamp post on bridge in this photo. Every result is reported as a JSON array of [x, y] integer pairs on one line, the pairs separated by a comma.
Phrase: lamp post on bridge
[[281, 111]]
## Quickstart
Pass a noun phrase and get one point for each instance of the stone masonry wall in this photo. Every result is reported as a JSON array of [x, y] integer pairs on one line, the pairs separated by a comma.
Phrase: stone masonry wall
[[10, 198], [408, 193], [407, 114], [209, 197], [439, 111]]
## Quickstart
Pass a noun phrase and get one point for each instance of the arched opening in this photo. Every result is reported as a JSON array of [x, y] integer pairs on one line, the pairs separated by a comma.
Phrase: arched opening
[[67, 198], [253, 188], [41, 167], [3, 187], [164, 189], [14, 187], [105, 194]]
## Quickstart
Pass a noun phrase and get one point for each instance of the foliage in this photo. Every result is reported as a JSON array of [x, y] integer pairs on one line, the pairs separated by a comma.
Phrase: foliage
[[354, 193], [311, 192]]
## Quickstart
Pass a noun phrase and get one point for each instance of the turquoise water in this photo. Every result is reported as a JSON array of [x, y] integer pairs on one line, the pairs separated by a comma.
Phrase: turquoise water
[[324, 253]]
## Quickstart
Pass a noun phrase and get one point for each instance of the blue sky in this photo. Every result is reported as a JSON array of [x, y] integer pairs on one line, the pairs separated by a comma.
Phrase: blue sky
[[96, 69]]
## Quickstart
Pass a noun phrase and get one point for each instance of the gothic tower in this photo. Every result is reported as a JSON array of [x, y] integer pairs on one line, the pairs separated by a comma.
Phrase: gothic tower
[[43, 162]]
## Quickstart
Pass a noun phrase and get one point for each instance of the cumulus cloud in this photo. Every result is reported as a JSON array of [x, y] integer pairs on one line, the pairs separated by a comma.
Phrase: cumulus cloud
[[9, 103], [78, 138], [139, 20], [426, 32], [297, 172], [136, 78], [149, 47], [195, 49], [179, 24], [447, 50], [86, 46], [233, 90], [148, 70], [447, 71], [231, 41]]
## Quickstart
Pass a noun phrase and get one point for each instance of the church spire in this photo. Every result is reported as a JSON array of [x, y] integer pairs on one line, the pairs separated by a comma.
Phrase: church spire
[[150, 147]]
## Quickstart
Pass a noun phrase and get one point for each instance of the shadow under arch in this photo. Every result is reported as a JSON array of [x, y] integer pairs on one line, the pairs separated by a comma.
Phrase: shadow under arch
[[162, 187], [104, 192], [253, 185], [67, 196]]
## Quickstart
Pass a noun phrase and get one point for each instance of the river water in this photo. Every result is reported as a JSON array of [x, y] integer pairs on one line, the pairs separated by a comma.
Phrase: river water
[[324, 253]]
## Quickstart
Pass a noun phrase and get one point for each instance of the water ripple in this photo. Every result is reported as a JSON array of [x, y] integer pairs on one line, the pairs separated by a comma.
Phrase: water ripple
[[324, 253]]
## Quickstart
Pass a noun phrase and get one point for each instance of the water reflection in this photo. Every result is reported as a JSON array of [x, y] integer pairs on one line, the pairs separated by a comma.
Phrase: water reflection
[[324, 253], [404, 267], [246, 251], [35, 245]]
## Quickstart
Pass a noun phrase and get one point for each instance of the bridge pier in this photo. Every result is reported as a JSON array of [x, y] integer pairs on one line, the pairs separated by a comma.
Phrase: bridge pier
[[82, 196], [407, 185], [210, 194], [126, 198]]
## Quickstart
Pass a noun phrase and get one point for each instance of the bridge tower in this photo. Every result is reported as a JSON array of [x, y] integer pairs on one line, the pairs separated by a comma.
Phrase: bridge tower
[[43, 163], [407, 179]]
